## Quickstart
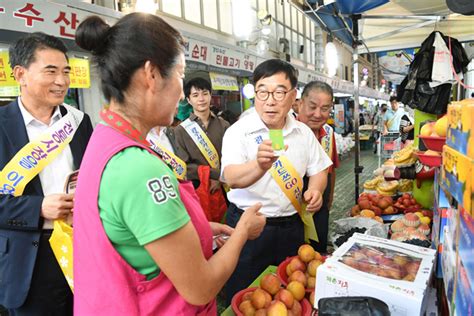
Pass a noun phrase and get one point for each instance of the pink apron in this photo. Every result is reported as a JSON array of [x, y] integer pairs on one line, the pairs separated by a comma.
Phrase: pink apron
[[104, 283]]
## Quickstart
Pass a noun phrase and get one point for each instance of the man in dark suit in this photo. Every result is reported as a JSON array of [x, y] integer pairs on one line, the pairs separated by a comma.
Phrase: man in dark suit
[[31, 280]]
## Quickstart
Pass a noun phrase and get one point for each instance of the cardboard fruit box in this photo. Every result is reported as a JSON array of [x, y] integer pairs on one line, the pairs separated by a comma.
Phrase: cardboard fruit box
[[394, 272], [464, 294], [460, 125], [457, 177]]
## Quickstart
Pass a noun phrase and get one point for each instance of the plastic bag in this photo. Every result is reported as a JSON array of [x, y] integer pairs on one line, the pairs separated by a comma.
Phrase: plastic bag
[[373, 227], [214, 205], [61, 244], [441, 71], [352, 306]]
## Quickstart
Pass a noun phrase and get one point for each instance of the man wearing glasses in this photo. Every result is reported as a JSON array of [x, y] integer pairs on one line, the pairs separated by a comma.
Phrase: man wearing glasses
[[314, 110], [249, 164]]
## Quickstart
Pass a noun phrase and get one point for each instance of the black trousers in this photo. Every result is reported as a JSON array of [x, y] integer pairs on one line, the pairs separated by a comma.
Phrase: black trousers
[[49, 293], [280, 239], [321, 222]]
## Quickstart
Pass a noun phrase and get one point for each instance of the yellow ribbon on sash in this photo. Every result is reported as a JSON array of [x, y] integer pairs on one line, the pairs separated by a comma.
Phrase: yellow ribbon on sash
[[37, 154], [202, 142], [178, 165], [291, 184]]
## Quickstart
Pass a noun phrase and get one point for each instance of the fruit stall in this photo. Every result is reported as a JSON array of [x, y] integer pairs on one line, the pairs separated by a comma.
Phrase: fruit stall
[[406, 247], [396, 253]]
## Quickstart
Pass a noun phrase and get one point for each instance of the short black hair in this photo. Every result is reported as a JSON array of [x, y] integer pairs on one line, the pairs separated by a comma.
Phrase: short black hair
[[317, 85], [393, 98], [198, 83], [22, 53], [271, 67], [384, 107]]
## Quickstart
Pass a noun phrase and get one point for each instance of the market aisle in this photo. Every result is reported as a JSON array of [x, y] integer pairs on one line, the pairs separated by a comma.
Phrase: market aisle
[[344, 190]]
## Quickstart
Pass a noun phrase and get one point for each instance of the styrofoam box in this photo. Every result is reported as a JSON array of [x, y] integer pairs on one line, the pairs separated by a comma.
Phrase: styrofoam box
[[449, 266], [335, 278]]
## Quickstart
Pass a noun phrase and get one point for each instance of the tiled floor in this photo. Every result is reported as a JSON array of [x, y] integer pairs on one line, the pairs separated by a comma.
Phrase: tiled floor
[[344, 192]]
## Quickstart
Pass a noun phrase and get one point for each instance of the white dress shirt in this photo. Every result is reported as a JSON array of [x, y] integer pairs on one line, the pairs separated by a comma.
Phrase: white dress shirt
[[160, 138], [240, 145], [53, 176]]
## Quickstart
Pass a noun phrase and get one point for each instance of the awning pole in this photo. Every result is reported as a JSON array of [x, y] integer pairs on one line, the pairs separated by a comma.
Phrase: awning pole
[[355, 56]]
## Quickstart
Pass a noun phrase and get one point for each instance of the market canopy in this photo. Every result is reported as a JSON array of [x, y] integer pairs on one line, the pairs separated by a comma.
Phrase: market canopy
[[388, 24]]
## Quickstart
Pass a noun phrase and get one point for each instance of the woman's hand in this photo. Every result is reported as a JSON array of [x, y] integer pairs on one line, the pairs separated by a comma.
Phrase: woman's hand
[[252, 221], [219, 231]]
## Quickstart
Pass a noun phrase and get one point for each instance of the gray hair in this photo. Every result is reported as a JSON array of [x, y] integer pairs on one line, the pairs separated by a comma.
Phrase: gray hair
[[317, 85]]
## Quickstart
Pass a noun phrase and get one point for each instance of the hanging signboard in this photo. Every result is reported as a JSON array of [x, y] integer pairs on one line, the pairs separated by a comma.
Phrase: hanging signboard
[[30, 16], [80, 76], [196, 51], [339, 118], [6, 74], [223, 82], [235, 62]]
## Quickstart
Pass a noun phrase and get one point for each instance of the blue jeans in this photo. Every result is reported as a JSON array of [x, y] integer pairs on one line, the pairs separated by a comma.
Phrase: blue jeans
[[280, 239]]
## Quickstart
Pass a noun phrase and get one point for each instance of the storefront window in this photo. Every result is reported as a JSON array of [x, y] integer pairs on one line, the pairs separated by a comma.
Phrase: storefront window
[[210, 13], [301, 43], [271, 8], [192, 11], [172, 7], [225, 16], [308, 27], [280, 31], [287, 13], [288, 37], [294, 18], [301, 19], [307, 50], [279, 10], [294, 45]]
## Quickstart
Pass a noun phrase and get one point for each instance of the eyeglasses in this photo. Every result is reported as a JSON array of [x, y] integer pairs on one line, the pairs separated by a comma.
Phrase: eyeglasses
[[278, 95]]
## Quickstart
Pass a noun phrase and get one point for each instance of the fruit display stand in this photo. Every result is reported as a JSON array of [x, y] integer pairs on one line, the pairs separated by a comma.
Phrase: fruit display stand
[[454, 200], [270, 269]]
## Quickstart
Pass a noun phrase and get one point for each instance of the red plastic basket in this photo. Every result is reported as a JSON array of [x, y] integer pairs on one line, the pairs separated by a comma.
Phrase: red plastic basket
[[433, 142], [281, 271], [429, 160], [237, 299]]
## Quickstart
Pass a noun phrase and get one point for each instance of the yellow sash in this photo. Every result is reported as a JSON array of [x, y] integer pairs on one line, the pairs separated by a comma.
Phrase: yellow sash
[[326, 140], [179, 166], [291, 184], [202, 142], [37, 154]]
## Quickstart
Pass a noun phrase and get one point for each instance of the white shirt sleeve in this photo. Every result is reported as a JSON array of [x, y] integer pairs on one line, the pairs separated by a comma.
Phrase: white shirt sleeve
[[318, 159]]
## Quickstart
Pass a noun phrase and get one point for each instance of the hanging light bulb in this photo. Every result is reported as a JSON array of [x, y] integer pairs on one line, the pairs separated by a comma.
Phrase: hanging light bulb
[[262, 46], [266, 30], [332, 60], [248, 91], [242, 24], [264, 17]]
